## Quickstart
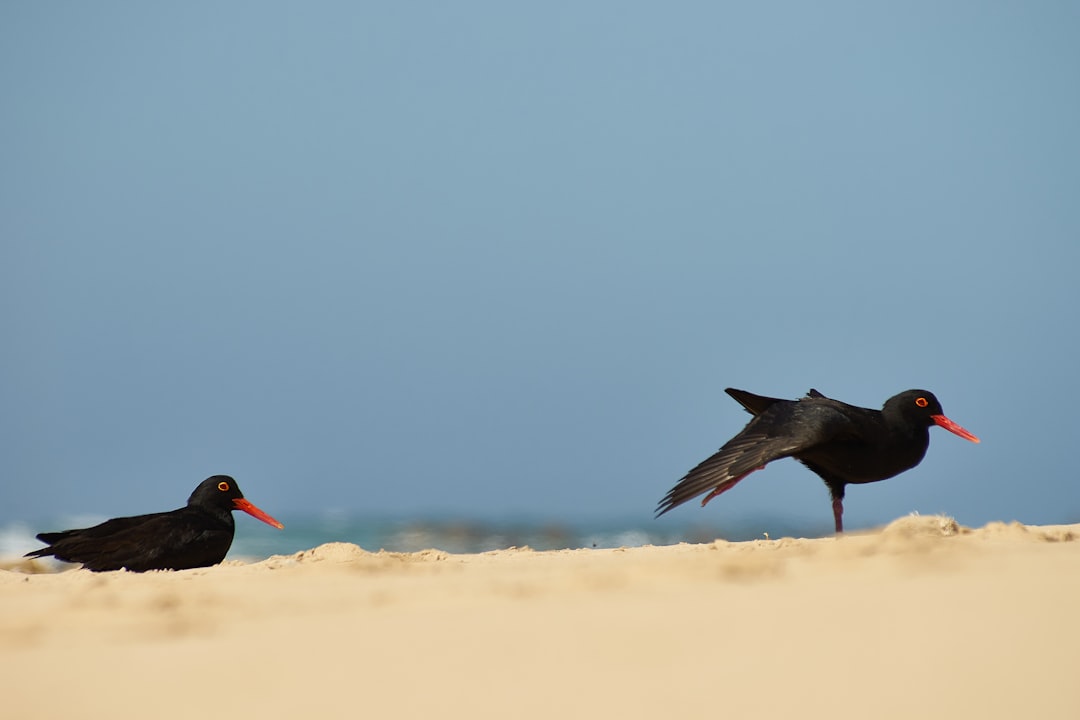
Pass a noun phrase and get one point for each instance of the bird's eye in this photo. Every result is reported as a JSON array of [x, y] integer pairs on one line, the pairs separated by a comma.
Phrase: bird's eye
[[224, 486], [921, 402]]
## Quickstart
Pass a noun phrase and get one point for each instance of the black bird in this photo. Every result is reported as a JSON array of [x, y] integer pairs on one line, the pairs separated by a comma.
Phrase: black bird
[[198, 535], [842, 443]]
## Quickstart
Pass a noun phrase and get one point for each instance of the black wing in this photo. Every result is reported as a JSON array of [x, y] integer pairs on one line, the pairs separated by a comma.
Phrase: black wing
[[753, 404], [784, 429], [757, 404], [105, 529], [172, 540]]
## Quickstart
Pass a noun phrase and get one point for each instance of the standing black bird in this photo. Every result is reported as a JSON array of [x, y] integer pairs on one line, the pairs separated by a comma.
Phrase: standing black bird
[[198, 535], [840, 442]]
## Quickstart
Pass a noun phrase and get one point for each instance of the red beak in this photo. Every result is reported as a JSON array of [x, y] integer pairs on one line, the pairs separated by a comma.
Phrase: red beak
[[952, 427], [242, 504]]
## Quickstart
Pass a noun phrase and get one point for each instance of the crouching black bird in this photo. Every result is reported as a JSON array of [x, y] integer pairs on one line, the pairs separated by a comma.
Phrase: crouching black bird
[[842, 443], [197, 535]]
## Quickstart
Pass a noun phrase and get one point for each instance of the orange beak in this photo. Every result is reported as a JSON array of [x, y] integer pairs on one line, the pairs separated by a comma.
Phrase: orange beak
[[242, 504], [952, 427]]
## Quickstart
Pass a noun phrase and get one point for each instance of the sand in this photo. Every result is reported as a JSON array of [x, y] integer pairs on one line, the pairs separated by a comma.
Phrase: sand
[[922, 619]]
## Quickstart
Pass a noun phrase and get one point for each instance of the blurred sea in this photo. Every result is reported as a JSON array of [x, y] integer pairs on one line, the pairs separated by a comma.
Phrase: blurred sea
[[256, 541]]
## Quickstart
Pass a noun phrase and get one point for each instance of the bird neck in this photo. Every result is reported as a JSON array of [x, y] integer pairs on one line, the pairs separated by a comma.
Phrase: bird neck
[[222, 516]]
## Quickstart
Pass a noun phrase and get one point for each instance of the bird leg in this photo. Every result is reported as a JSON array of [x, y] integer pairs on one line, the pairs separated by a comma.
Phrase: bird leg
[[838, 514], [727, 485]]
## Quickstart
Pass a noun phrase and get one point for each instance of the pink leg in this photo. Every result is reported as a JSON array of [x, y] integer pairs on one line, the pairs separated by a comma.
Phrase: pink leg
[[838, 514], [727, 485]]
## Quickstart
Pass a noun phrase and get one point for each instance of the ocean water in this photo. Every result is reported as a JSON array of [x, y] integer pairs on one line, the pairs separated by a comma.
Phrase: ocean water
[[256, 541]]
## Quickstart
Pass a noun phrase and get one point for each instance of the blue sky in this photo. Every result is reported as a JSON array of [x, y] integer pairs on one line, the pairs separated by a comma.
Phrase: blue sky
[[484, 259]]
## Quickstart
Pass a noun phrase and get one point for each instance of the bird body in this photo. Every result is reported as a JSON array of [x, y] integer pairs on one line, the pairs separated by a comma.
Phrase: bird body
[[842, 443], [196, 535]]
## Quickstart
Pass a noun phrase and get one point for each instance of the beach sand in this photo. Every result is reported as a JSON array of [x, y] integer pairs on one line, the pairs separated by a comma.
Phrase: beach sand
[[922, 619]]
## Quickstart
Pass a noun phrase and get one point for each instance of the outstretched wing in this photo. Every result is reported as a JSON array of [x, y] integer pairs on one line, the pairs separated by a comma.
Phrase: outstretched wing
[[753, 404], [757, 404], [784, 429]]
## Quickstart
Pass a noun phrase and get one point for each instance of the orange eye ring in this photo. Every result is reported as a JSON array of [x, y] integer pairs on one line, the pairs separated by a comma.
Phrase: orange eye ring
[[223, 486], [921, 402]]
